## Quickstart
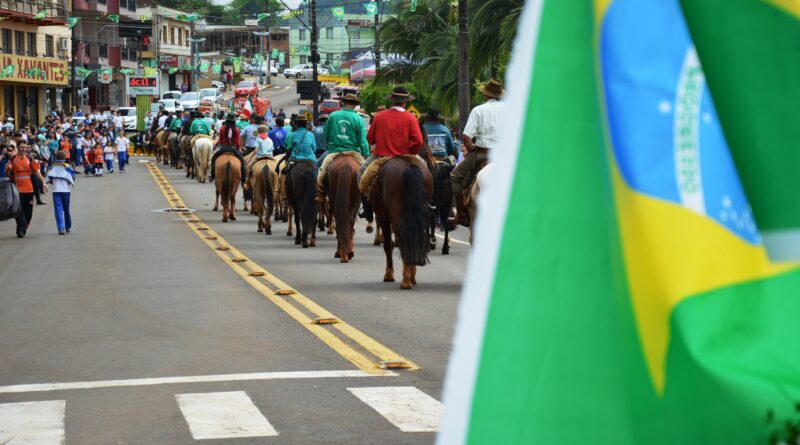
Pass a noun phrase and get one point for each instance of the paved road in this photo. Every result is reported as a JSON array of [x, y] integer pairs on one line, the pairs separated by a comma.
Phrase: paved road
[[134, 330]]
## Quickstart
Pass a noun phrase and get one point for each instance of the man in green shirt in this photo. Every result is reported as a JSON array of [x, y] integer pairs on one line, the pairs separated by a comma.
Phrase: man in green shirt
[[176, 123], [344, 132], [200, 126]]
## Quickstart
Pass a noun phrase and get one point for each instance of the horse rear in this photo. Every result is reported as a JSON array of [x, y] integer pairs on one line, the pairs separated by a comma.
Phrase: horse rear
[[301, 188], [228, 175], [262, 181], [201, 152], [400, 197], [344, 200]]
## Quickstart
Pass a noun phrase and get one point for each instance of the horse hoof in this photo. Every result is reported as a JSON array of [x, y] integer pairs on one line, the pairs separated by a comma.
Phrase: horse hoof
[[297, 242], [445, 251], [337, 254], [268, 232], [330, 231], [343, 260], [224, 220], [388, 279], [233, 218], [260, 230], [351, 255], [215, 209], [369, 229], [313, 243], [305, 245], [376, 243], [405, 286]]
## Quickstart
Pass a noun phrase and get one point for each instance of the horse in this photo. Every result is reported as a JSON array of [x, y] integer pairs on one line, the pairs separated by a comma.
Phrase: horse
[[201, 153], [345, 200], [443, 201], [262, 181], [301, 189], [325, 217], [399, 198], [185, 155], [474, 192], [160, 141], [228, 175]]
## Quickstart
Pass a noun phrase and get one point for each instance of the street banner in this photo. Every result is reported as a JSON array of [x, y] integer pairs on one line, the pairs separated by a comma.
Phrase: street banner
[[755, 88], [281, 57], [143, 105], [34, 70], [618, 289], [274, 53]]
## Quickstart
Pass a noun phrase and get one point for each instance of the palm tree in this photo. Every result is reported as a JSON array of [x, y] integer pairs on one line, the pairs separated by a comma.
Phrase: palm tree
[[493, 26]]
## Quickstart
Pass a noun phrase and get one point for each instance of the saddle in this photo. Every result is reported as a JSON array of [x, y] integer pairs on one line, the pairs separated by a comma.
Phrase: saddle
[[323, 170], [470, 179], [371, 173]]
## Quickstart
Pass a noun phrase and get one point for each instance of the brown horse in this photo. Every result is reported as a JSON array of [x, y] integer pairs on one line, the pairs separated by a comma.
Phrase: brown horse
[[344, 201], [301, 188], [399, 197], [228, 175], [262, 181]]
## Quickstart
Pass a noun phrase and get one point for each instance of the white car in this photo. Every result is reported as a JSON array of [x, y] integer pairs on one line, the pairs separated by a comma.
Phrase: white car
[[295, 71], [211, 94], [308, 73], [128, 117], [273, 71], [174, 94], [190, 101], [170, 105], [218, 85]]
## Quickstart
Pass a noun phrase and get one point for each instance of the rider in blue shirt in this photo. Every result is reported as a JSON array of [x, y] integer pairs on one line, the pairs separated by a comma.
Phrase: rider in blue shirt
[[278, 136], [303, 145]]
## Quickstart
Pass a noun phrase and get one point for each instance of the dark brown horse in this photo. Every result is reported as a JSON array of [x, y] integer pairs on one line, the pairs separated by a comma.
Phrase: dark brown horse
[[228, 176], [345, 200], [301, 188], [400, 197]]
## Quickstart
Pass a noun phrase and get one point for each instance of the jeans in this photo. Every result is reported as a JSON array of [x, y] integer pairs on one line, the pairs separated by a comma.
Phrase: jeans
[[25, 212], [61, 207], [110, 165], [122, 160]]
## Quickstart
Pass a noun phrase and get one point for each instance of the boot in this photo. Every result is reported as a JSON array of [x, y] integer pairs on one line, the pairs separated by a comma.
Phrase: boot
[[462, 215], [366, 209]]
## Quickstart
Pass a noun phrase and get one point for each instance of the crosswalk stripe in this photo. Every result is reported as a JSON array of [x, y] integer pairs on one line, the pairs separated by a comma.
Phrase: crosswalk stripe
[[221, 415], [32, 423], [406, 407]]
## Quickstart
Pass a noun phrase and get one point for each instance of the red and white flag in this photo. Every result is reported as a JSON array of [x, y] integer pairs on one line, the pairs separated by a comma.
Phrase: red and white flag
[[248, 108]]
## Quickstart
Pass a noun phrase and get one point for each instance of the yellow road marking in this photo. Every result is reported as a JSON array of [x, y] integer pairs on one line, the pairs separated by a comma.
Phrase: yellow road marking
[[286, 297]]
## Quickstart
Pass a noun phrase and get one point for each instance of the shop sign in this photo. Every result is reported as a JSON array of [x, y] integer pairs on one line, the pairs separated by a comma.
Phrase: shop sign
[[142, 86], [105, 75], [50, 71], [165, 62]]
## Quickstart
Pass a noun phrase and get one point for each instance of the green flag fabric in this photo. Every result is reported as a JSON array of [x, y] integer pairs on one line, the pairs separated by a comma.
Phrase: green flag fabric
[[338, 12], [372, 8], [751, 59], [618, 291], [72, 21], [113, 17], [263, 16], [274, 53]]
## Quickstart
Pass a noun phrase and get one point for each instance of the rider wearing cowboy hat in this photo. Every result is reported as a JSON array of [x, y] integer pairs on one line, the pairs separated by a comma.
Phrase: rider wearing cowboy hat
[[229, 142], [440, 140], [479, 137]]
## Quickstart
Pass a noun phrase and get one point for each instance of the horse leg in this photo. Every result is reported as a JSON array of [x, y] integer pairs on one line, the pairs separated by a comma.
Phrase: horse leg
[[216, 202], [413, 270], [388, 275], [406, 283], [378, 240], [233, 206], [298, 232], [443, 215]]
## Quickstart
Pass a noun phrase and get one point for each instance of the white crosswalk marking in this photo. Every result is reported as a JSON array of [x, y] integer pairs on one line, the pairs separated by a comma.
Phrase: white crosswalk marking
[[221, 415], [406, 407], [32, 423]]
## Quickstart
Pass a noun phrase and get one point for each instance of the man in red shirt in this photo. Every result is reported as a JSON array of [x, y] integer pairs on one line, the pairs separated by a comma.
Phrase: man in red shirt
[[393, 132], [20, 169]]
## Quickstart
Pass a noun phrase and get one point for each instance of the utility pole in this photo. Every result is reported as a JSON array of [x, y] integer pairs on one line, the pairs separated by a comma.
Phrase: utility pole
[[377, 51], [269, 55], [463, 66], [193, 76], [314, 59]]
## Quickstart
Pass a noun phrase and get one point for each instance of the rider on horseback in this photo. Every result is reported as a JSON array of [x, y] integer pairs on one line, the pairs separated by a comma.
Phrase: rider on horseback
[[440, 140], [344, 132], [302, 146], [479, 136], [229, 142]]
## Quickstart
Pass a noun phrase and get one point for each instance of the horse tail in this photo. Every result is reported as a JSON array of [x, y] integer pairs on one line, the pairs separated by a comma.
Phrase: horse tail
[[226, 182], [309, 200], [412, 238], [269, 189], [345, 219]]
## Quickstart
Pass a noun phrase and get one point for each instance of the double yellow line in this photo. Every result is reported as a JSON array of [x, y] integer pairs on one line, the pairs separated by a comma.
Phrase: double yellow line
[[361, 350]]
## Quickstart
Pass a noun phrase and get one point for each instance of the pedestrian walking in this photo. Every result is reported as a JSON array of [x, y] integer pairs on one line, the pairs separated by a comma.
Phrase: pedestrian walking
[[62, 178], [123, 143], [21, 168], [98, 159], [108, 156]]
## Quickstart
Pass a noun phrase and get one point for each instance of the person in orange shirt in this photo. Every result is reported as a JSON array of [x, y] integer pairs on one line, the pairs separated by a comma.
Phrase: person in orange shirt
[[98, 160], [21, 169]]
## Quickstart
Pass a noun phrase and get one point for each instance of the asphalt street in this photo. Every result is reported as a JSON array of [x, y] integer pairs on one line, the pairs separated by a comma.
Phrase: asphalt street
[[136, 294]]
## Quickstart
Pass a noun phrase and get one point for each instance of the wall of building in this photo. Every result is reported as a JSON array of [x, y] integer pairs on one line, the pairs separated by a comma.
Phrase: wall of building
[[336, 42]]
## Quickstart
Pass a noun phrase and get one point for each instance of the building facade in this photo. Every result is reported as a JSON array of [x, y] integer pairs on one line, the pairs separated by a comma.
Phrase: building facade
[[339, 40], [38, 49], [169, 49]]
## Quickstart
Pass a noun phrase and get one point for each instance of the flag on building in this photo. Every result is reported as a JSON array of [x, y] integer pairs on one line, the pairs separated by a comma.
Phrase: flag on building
[[619, 291], [372, 8], [40, 15], [263, 16], [113, 17], [338, 12], [72, 21]]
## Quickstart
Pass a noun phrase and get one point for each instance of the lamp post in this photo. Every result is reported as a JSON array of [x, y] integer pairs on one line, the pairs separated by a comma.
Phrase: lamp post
[[260, 50]]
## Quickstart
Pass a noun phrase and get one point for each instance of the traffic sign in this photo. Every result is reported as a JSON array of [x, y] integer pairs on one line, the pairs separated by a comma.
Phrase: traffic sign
[[413, 110]]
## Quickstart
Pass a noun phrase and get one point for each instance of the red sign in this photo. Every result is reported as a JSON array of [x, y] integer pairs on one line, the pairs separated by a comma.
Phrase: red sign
[[143, 82]]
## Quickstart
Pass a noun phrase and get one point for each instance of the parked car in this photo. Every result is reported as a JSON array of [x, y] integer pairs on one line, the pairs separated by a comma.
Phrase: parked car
[[308, 73], [329, 106], [295, 70], [219, 85], [246, 88], [173, 94], [190, 101], [273, 71], [170, 105], [128, 117], [212, 95]]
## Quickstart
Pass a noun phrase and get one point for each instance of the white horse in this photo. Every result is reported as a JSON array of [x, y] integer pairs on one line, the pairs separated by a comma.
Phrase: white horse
[[480, 181], [201, 152]]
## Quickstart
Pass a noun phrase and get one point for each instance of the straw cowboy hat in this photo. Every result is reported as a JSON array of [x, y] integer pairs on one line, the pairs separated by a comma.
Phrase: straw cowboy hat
[[400, 94], [350, 98], [492, 88]]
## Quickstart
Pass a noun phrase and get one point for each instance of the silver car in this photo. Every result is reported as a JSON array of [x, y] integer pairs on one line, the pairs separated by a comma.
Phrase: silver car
[[190, 101]]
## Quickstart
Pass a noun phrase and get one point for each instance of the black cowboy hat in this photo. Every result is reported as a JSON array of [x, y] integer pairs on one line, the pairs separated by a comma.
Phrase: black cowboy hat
[[433, 114], [258, 119], [301, 118], [350, 98], [322, 117], [493, 88], [231, 117], [400, 94]]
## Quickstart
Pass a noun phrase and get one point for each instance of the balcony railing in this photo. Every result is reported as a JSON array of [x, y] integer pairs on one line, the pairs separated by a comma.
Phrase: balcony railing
[[53, 11]]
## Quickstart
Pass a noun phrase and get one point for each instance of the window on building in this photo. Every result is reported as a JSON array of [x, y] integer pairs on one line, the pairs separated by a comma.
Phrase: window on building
[[32, 44], [328, 58], [302, 35], [49, 46], [123, 3], [172, 36], [278, 37], [329, 33], [132, 55], [132, 5], [180, 37], [19, 38], [102, 50], [186, 35], [303, 59], [7, 42], [164, 34], [102, 2]]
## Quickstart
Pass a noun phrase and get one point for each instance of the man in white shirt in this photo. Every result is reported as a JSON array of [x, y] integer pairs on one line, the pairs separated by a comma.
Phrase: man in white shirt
[[122, 151], [479, 136], [162, 121], [117, 119]]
